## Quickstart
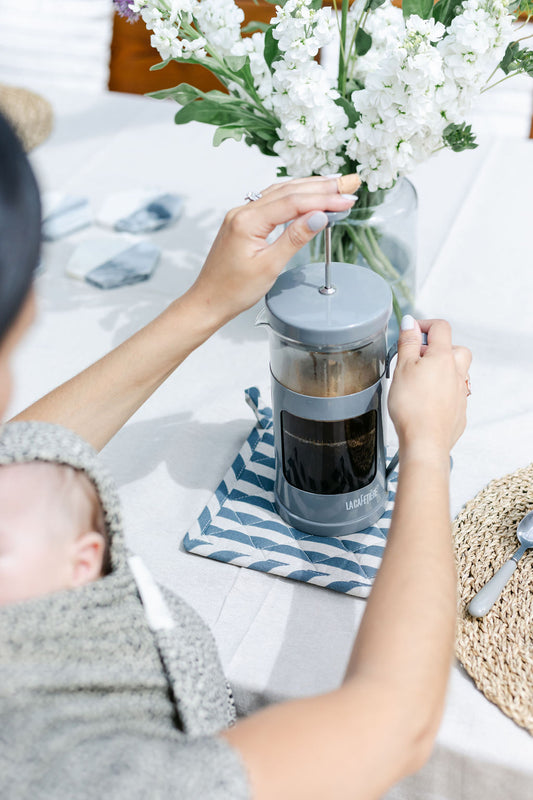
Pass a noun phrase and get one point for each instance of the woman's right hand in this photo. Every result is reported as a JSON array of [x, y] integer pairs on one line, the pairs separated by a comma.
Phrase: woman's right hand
[[243, 264], [427, 399]]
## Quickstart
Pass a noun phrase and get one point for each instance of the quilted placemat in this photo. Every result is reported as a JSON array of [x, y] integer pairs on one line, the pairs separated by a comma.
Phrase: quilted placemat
[[240, 524]]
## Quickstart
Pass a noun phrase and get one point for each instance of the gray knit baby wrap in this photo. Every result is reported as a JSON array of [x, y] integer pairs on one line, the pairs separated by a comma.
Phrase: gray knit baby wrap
[[100, 697]]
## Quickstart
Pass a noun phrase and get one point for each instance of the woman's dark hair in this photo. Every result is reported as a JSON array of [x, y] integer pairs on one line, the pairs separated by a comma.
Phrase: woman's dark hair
[[20, 226]]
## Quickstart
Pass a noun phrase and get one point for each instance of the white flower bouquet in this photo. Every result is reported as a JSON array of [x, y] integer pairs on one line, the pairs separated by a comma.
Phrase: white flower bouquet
[[407, 79]]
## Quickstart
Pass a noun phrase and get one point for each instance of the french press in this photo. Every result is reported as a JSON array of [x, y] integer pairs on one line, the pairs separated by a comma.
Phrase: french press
[[328, 352]]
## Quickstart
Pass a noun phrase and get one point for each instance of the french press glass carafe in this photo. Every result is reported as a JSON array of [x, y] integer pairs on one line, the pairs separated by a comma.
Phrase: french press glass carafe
[[328, 353]]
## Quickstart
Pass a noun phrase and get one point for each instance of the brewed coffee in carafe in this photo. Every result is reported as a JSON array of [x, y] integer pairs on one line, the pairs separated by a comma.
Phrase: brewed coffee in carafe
[[329, 457]]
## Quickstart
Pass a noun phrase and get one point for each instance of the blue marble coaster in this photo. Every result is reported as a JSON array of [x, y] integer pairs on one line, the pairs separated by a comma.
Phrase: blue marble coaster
[[71, 214], [240, 524], [158, 213], [132, 265]]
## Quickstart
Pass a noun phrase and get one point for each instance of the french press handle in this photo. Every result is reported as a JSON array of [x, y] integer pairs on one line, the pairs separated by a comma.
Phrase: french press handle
[[393, 352]]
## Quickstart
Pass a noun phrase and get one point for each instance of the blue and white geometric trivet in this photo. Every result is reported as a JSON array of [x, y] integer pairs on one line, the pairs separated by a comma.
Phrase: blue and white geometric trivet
[[240, 524]]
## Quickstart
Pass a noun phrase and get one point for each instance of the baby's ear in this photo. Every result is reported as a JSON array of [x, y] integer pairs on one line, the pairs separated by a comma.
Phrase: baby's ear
[[87, 559]]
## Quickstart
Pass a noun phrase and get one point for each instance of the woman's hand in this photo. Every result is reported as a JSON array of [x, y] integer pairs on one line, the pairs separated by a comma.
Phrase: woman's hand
[[241, 266], [427, 400]]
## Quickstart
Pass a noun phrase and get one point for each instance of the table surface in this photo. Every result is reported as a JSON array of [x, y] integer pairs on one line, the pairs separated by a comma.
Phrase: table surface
[[279, 638]]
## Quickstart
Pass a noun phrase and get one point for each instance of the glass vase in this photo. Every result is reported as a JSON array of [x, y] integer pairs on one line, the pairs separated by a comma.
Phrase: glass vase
[[380, 233]]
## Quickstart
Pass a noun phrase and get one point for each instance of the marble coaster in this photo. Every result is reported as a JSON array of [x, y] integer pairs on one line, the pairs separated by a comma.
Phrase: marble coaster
[[130, 266], [109, 262], [158, 213], [64, 214], [140, 211]]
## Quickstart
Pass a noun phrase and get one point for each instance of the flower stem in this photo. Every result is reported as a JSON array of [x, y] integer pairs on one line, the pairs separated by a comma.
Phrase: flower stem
[[511, 75], [360, 24], [343, 56]]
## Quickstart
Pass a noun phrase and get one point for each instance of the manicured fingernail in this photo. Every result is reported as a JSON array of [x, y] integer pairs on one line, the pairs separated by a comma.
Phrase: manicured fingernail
[[317, 221], [333, 175], [348, 183], [349, 196], [407, 323]]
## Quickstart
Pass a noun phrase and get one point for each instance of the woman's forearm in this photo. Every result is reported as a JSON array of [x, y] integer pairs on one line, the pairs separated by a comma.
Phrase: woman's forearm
[[379, 726], [97, 402], [407, 633], [240, 268]]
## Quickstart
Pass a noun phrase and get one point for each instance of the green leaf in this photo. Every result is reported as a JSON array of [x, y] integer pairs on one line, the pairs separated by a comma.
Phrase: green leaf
[[227, 132], [510, 56], [182, 94], [254, 26], [161, 65], [445, 11], [422, 8], [373, 4], [218, 96], [514, 6], [315, 5], [459, 137], [263, 147], [271, 49], [235, 63], [363, 42], [185, 93], [517, 60], [211, 112], [352, 114]]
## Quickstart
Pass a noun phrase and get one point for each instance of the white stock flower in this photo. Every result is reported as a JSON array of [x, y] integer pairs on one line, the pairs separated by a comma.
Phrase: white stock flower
[[385, 25], [155, 10], [475, 45], [312, 126], [423, 81], [301, 31], [220, 22], [166, 41], [416, 78]]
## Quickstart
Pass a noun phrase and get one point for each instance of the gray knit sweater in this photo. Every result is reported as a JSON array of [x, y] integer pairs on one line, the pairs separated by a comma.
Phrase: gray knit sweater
[[102, 693]]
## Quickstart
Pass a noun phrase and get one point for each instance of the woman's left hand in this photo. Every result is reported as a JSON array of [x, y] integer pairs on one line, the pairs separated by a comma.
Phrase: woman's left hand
[[242, 266]]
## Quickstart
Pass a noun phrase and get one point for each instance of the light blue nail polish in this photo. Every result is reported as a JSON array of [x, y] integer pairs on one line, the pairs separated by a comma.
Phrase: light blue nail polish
[[317, 221], [407, 323], [349, 196]]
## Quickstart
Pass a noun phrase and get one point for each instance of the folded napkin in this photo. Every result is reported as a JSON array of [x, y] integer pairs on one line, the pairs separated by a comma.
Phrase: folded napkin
[[240, 524]]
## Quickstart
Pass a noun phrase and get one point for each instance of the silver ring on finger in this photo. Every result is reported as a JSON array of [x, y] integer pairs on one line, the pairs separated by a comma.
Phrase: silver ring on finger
[[251, 196]]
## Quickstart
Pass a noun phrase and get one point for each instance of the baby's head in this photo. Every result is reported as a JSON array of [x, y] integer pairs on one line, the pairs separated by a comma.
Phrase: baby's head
[[52, 530]]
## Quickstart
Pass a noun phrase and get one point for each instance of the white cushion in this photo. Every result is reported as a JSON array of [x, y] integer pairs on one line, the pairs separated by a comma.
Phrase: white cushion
[[48, 44]]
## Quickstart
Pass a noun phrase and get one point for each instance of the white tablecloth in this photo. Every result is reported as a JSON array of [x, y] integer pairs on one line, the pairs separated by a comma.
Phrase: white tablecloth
[[278, 638]]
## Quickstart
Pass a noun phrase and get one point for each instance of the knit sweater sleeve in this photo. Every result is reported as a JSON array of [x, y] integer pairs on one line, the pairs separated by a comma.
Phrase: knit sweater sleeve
[[128, 768], [204, 696]]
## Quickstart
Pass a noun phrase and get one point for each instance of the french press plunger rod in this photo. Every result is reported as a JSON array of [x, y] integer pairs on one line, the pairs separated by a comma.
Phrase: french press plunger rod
[[333, 217]]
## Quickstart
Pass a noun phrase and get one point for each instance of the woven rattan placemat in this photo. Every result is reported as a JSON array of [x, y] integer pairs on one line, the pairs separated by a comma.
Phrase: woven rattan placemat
[[497, 649], [29, 113]]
